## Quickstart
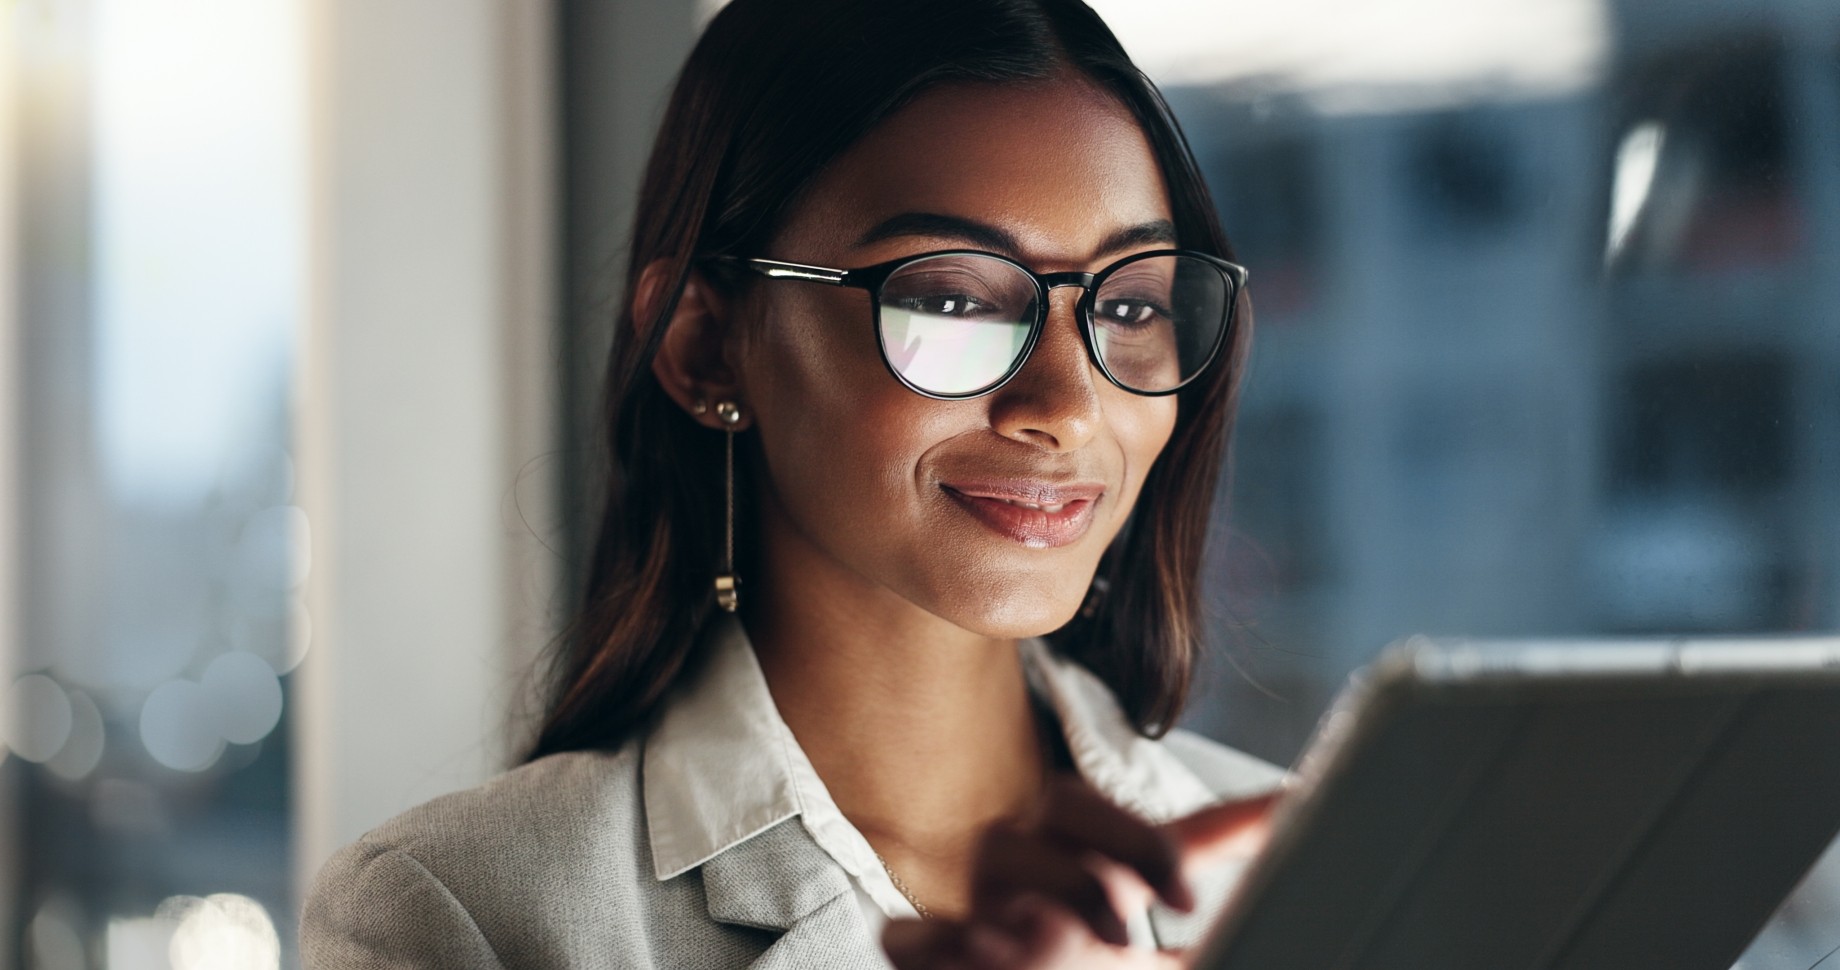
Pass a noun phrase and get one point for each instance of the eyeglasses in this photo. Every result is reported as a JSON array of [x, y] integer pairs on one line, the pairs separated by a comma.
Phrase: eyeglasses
[[956, 324]]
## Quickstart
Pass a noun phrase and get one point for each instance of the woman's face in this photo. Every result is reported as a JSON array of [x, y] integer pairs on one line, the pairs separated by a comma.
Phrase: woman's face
[[876, 491]]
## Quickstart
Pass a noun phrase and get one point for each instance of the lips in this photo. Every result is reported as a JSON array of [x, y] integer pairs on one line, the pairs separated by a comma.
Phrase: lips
[[1036, 514]]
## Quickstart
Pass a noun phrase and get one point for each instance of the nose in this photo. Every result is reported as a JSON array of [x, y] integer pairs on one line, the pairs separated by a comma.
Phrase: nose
[[1053, 402]]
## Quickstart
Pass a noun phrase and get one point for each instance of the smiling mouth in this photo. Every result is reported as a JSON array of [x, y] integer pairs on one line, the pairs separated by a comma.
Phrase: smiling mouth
[[1036, 515]]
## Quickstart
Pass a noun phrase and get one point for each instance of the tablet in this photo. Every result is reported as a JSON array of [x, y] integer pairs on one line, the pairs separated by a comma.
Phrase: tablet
[[1618, 804]]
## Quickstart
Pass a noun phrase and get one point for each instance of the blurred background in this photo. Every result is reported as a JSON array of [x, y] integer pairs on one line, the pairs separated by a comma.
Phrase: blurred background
[[302, 304]]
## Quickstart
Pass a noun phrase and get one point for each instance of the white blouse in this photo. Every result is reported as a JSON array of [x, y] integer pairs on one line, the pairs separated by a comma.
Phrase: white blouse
[[721, 766]]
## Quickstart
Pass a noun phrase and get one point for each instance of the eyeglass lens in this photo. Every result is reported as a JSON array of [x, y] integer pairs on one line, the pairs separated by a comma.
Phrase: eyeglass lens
[[957, 324]]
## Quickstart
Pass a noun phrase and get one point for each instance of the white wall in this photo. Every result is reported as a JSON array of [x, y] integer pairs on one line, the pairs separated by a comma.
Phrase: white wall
[[425, 401]]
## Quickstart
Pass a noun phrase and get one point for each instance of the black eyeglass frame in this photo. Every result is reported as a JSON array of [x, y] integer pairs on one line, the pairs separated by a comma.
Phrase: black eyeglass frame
[[872, 278]]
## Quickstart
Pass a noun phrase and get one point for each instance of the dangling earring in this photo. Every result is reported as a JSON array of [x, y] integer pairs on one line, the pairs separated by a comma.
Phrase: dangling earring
[[728, 597]]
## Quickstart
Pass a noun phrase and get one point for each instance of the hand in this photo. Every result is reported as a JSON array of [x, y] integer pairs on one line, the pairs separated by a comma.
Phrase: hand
[[1053, 893]]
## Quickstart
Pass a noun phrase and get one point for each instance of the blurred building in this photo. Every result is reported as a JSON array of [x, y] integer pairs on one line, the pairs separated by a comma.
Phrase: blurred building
[[274, 308], [154, 172], [1535, 363]]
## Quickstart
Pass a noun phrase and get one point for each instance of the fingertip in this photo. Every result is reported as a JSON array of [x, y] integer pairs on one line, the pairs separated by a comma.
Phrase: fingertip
[[1171, 884], [1111, 928], [988, 946], [901, 936], [1223, 821], [1022, 910], [1178, 894]]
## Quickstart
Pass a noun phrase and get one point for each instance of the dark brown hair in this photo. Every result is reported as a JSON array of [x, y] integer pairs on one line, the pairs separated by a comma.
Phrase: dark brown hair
[[774, 91]]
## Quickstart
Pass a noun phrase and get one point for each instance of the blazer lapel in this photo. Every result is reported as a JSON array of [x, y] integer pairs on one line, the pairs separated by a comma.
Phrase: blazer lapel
[[832, 937], [782, 880]]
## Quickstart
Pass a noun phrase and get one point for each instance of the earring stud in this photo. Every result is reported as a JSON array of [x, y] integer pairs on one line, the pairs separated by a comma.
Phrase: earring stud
[[700, 406]]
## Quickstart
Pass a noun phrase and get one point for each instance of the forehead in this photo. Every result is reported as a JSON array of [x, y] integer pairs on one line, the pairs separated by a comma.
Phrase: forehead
[[1058, 165]]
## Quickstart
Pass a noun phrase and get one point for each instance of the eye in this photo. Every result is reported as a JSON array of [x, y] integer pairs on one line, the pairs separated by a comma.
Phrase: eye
[[944, 305], [1128, 313]]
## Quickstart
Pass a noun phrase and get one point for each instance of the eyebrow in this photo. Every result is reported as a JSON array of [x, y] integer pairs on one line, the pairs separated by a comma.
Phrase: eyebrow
[[986, 236]]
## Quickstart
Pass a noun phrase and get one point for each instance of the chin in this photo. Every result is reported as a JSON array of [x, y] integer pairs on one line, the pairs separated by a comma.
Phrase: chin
[[1013, 613]]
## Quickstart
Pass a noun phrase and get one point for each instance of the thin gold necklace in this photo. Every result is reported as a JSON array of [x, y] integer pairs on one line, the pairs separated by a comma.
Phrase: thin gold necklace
[[902, 886]]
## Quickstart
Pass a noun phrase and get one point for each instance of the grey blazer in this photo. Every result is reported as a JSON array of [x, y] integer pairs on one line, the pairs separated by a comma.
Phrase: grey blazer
[[548, 865]]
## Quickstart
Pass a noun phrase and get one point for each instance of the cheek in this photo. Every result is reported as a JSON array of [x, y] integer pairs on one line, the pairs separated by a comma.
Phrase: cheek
[[805, 361], [1143, 427], [841, 436]]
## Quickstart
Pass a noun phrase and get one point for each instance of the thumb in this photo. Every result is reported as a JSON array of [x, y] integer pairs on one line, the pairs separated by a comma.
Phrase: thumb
[[1232, 830]]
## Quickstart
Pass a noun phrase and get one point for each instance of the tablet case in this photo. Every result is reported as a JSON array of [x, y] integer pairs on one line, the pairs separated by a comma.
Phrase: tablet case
[[1550, 805]]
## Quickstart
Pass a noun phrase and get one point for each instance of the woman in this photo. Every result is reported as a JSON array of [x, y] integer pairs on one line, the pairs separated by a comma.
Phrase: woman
[[915, 412]]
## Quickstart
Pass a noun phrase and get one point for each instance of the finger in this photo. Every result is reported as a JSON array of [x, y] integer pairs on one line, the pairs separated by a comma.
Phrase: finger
[[1231, 830], [1080, 816], [915, 945], [989, 947], [1129, 892], [1049, 932], [1053, 936], [1013, 864]]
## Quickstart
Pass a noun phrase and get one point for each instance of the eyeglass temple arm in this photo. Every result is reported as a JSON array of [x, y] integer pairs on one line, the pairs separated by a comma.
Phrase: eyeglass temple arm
[[793, 271]]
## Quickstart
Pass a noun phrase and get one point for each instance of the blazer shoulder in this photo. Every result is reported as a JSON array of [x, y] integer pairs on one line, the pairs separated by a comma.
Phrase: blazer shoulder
[[1228, 772], [448, 882], [546, 806], [373, 906]]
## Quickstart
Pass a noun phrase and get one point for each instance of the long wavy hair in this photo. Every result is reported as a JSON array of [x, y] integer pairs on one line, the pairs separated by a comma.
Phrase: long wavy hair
[[774, 91]]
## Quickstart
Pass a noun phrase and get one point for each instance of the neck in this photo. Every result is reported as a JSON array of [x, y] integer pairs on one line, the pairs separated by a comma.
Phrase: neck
[[922, 732], [918, 738]]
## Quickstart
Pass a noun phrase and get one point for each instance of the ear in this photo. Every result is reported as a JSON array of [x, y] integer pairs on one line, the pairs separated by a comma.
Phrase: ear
[[692, 363]]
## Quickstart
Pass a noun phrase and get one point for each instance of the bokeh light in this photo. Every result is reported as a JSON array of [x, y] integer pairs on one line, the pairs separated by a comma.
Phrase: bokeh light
[[51, 942], [244, 693], [1637, 157], [38, 717], [179, 728], [82, 751], [224, 931]]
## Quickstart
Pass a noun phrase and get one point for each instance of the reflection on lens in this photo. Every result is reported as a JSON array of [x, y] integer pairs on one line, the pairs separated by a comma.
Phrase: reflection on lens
[[1158, 320], [956, 324]]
